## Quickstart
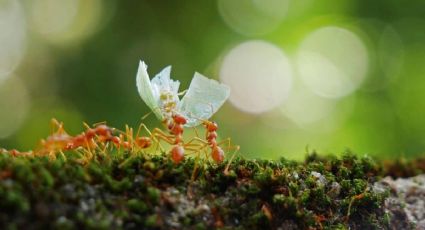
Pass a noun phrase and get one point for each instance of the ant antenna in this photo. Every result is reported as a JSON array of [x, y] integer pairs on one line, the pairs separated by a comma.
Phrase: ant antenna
[[182, 92], [99, 123], [87, 126], [146, 115], [226, 170]]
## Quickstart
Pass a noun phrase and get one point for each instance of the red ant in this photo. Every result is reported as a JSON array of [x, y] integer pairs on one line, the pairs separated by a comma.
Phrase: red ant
[[217, 152], [56, 142], [104, 134], [60, 140], [15, 152], [175, 127], [128, 142]]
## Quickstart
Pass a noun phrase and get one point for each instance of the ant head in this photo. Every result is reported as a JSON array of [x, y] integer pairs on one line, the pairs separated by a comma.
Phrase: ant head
[[144, 142], [14, 152], [116, 140], [179, 119], [211, 126], [90, 133], [103, 130]]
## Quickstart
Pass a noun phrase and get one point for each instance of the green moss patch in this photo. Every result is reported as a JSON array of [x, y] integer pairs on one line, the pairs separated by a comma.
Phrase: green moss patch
[[151, 192]]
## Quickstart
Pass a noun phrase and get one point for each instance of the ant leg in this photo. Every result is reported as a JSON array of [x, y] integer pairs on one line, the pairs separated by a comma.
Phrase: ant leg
[[195, 168], [62, 155], [103, 150], [226, 170], [197, 139], [129, 136], [198, 153], [88, 151], [158, 133], [87, 126], [144, 127], [196, 131], [55, 124], [81, 156], [52, 155], [194, 150], [229, 147], [228, 144]]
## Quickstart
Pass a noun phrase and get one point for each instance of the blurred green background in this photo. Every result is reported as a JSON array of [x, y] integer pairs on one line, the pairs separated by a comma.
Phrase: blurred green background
[[307, 74]]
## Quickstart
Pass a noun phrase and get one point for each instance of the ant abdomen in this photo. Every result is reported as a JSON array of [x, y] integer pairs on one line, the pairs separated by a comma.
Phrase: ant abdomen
[[177, 153]]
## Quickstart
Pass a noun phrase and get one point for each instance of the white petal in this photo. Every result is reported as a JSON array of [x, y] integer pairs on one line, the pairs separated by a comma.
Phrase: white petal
[[203, 98], [163, 83], [145, 89]]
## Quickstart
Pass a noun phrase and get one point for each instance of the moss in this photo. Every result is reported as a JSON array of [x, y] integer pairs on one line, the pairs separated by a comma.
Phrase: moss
[[153, 195], [129, 191], [151, 221], [136, 205]]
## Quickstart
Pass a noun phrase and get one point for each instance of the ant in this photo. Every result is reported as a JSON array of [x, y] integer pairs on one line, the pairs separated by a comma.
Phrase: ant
[[90, 139], [217, 153], [175, 126], [127, 141], [15, 152], [56, 142], [59, 140]]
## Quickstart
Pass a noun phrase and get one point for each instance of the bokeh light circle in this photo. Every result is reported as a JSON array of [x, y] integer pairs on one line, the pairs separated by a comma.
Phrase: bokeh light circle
[[259, 75], [332, 61], [66, 21], [14, 104], [254, 17], [12, 36], [305, 108]]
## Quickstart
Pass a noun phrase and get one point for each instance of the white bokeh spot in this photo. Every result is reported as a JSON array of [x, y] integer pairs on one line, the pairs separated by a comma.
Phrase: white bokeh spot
[[12, 37], [332, 61], [259, 75]]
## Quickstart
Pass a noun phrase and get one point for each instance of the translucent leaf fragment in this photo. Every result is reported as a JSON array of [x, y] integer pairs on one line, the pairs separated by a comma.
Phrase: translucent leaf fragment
[[145, 89], [203, 98]]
